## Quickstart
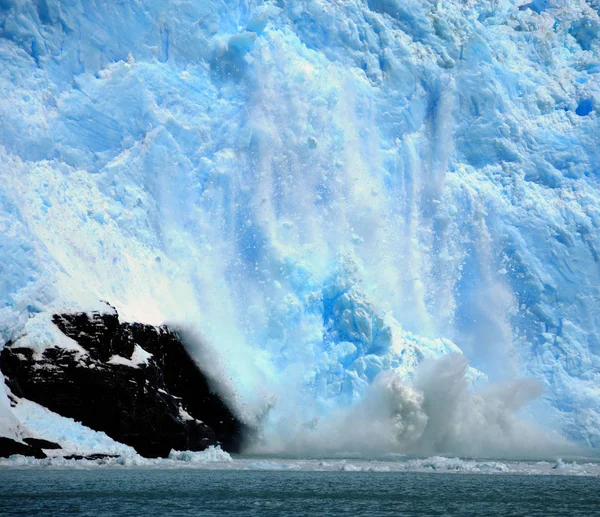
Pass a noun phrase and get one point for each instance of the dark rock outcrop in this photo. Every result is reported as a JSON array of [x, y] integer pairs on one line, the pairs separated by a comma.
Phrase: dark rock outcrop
[[9, 447], [41, 444], [153, 403], [91, 457]]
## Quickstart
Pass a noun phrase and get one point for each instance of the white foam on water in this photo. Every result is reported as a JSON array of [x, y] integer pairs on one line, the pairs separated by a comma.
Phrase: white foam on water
[[217, 460]]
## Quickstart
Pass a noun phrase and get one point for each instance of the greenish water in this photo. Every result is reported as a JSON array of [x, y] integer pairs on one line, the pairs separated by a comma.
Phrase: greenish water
[[179, 493]]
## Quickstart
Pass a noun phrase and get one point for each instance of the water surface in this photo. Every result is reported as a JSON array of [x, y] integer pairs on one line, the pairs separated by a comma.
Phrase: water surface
[[160, 492]]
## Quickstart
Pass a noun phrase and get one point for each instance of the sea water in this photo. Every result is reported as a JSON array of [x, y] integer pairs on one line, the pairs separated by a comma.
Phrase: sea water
[[203, 492]]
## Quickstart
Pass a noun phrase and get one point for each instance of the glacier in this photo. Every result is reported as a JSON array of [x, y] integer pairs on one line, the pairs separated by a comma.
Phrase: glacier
[[324, 189]]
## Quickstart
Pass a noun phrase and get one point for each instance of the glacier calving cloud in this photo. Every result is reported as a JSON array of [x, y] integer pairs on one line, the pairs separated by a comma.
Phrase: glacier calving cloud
[[326, 189]]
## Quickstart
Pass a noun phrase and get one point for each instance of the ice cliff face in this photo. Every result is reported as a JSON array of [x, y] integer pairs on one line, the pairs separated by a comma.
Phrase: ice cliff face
[[325, 188]]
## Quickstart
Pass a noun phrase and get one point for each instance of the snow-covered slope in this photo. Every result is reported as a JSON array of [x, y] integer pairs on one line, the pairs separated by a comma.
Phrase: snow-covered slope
[[317, 185]]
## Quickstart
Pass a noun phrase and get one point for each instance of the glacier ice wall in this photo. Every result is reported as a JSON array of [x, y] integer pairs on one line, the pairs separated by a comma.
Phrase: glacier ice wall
[[325, 188]]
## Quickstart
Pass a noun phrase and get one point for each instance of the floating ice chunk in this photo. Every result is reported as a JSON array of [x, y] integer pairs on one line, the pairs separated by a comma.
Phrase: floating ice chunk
[[441, 463], [211, 455]]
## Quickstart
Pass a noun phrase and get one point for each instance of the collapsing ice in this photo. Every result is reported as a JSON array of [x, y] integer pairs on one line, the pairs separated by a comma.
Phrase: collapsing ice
[[208, 164]]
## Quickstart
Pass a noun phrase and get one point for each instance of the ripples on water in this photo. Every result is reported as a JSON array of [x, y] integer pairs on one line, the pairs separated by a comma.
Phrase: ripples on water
[[182, 493]]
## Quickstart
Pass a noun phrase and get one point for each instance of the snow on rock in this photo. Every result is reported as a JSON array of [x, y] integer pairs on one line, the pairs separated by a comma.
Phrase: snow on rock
[[139, 356], [146, 401], [39, 334], [72, 436]]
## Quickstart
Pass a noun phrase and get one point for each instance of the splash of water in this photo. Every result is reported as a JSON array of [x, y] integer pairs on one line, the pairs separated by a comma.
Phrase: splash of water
[[437, 413]]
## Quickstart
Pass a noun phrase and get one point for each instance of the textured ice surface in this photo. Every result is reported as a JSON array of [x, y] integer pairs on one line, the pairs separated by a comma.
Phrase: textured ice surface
[[325, 189]]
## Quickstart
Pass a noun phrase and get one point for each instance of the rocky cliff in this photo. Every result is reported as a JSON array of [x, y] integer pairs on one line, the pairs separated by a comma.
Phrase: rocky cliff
[[135, 382]]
